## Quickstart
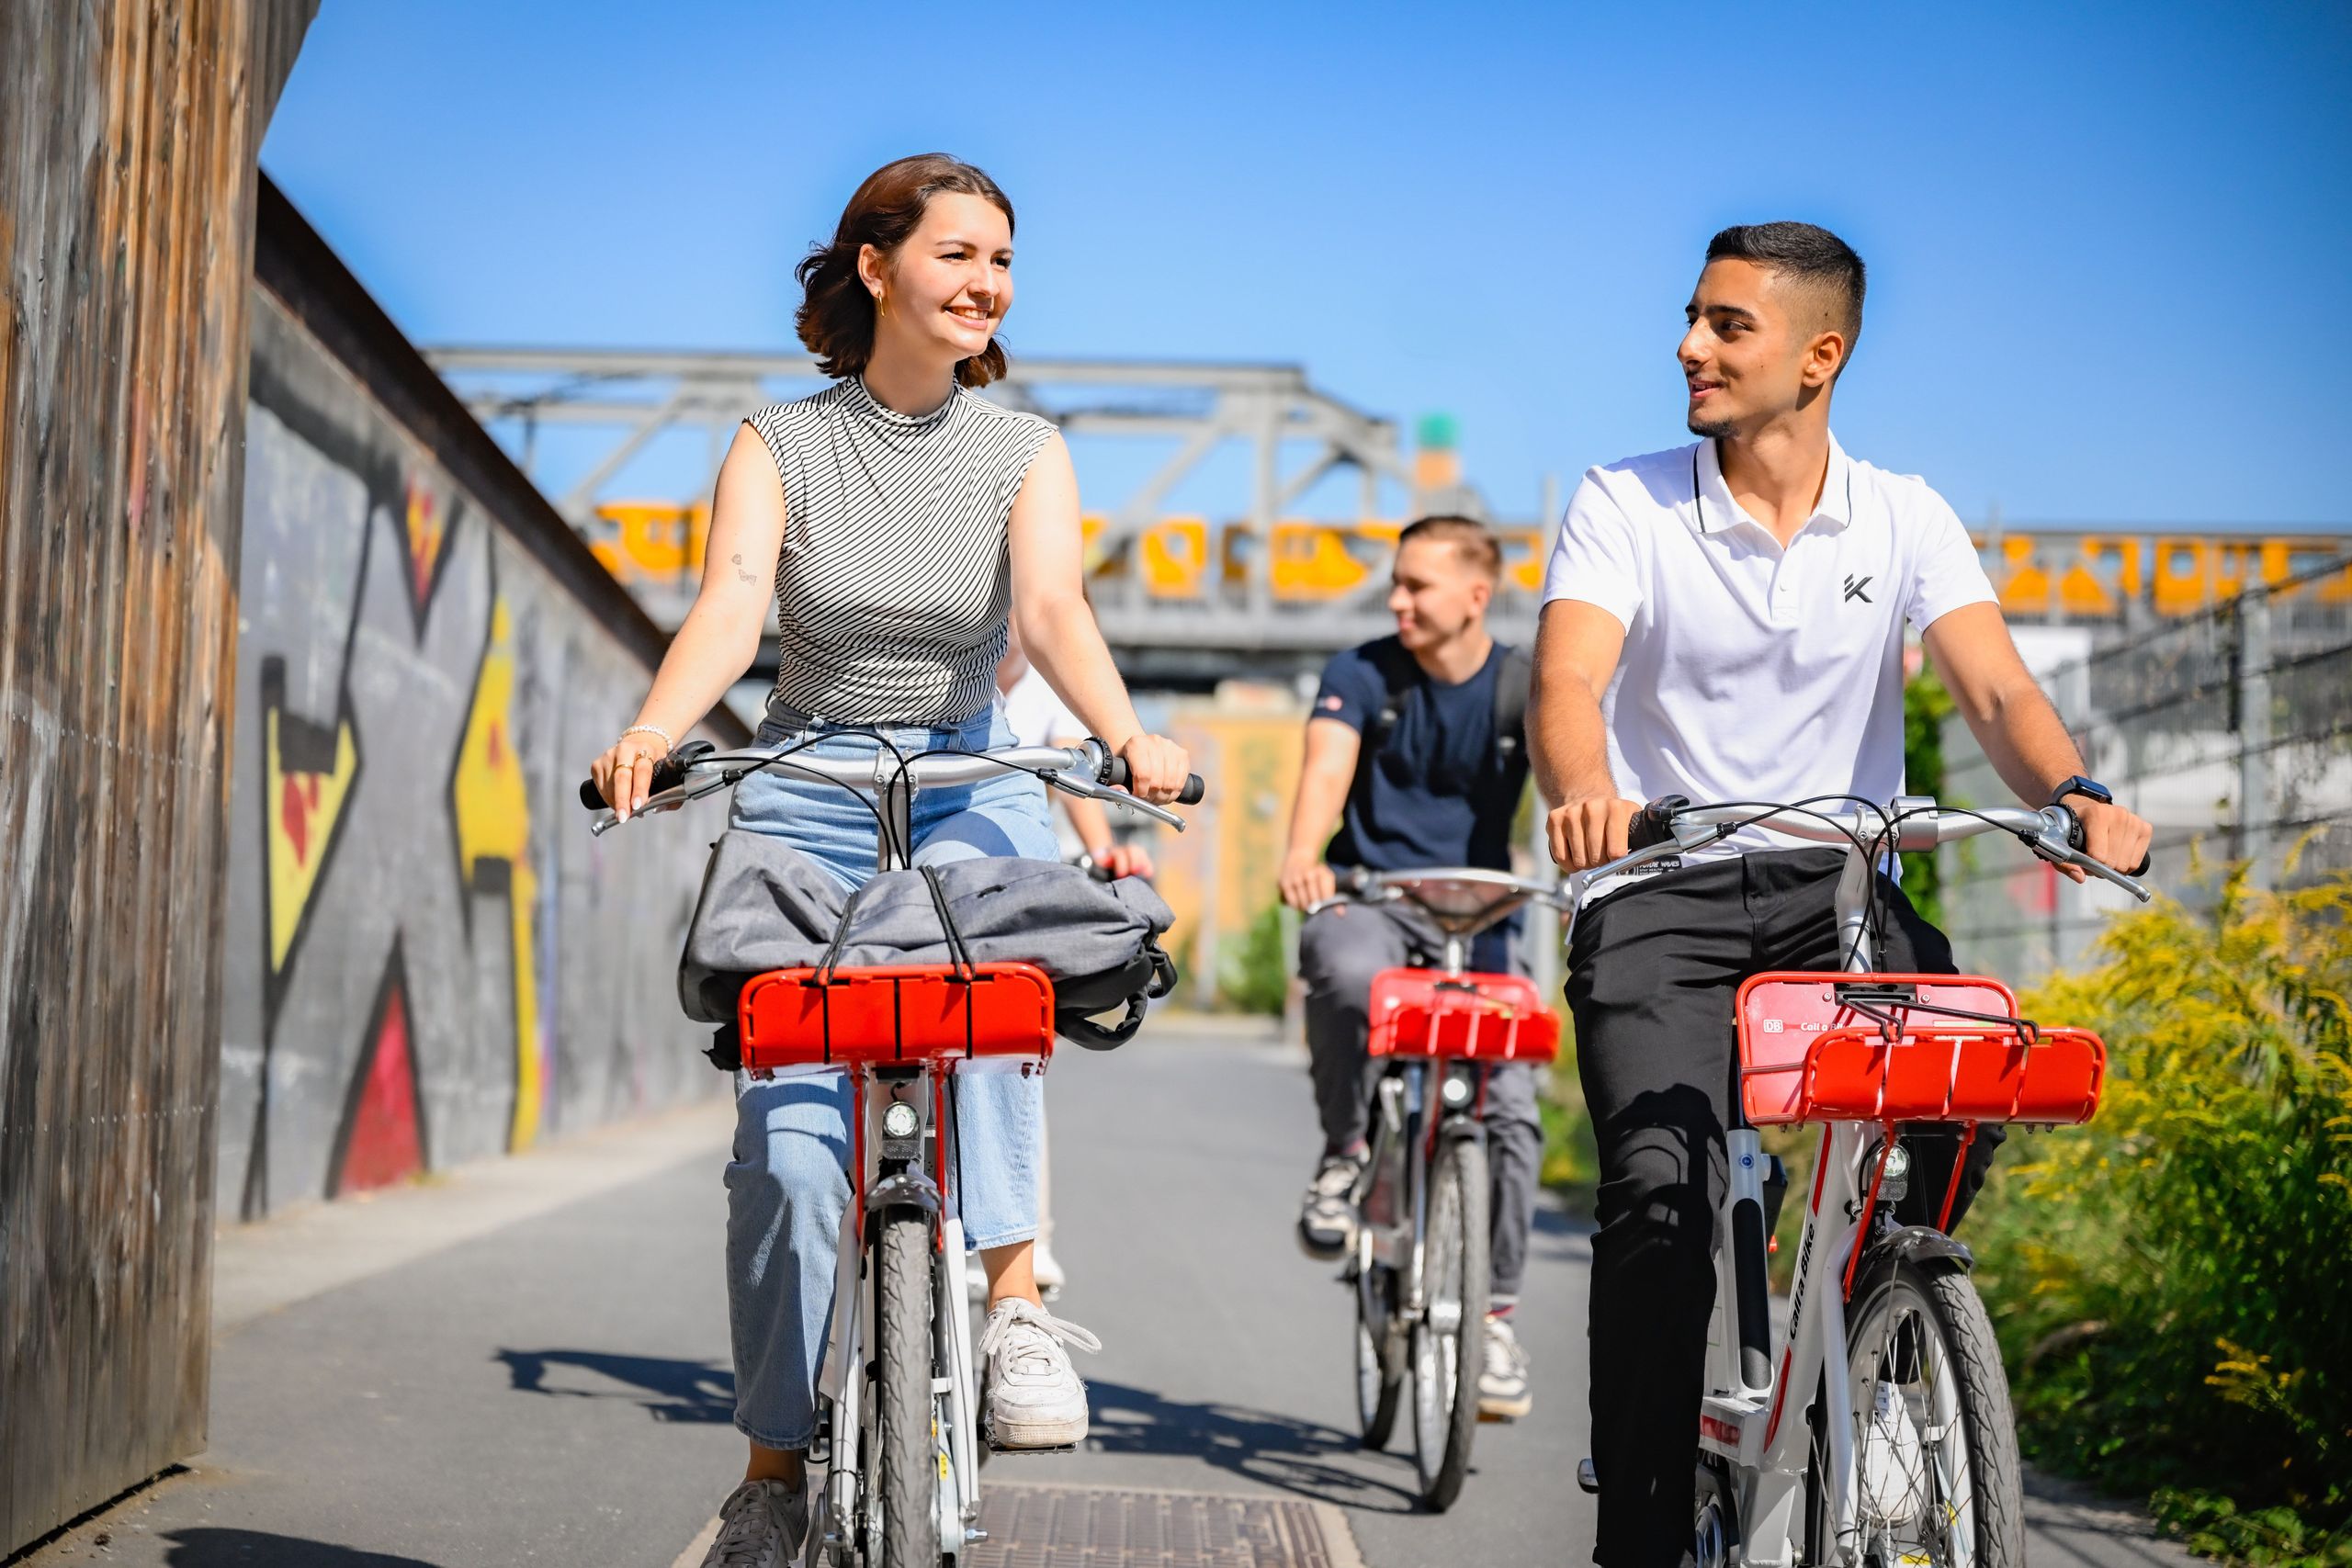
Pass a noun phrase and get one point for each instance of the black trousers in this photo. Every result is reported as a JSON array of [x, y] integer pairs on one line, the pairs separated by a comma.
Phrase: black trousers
[[1652, 972]]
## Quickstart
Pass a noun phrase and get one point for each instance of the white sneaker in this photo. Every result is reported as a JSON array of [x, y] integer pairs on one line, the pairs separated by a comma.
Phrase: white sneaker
[[762, 1525], [1034, 1397], [1503, 1392]]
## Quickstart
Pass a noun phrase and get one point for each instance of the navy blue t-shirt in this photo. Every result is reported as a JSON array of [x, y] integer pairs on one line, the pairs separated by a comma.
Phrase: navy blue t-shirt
[[1436, 793]]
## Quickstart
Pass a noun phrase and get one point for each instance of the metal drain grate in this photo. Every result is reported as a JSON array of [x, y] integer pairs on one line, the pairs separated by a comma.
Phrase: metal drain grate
[[1091, 1526]]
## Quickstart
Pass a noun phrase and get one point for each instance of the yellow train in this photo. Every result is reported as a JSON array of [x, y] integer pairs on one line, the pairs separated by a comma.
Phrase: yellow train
[[1189, 559]]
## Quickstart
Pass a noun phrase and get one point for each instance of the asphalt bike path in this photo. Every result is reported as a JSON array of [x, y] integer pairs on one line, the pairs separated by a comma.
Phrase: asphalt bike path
[[527, 1361]]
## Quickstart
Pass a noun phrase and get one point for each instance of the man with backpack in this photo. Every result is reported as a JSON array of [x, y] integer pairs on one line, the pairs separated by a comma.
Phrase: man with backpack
[[1416, 755]]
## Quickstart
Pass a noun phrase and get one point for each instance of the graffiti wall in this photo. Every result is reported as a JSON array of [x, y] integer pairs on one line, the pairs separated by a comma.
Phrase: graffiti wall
[[428, 958]]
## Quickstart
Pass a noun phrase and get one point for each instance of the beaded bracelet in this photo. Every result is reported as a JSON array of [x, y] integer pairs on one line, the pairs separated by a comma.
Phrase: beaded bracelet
[[668, 745]]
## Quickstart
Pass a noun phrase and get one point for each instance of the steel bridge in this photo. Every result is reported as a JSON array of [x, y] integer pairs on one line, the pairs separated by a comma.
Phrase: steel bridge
[[1183, 600], [1188, 600]]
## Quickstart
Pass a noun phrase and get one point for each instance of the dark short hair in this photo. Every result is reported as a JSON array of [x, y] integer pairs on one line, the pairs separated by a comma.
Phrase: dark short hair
[[1471, 540], [836, 316], [1816, 258]]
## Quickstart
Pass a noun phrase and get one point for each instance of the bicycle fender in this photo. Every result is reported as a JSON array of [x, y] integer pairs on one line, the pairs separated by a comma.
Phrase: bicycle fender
[[907, 1190], [1922, 1244]]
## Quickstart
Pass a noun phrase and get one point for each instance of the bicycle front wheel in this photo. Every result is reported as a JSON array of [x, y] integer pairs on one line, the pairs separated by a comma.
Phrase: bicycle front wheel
[[1935, 1472], [908, 1488], [1450, 1340]]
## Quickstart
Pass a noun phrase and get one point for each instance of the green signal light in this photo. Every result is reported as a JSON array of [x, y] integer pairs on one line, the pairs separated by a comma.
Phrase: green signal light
[[1437, 432]]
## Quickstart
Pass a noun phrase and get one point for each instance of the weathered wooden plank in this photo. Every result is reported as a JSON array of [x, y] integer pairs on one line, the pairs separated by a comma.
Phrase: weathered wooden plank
[[128, 129]]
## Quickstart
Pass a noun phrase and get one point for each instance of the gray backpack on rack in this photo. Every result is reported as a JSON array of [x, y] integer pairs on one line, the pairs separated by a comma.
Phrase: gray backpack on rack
[[766, 905]]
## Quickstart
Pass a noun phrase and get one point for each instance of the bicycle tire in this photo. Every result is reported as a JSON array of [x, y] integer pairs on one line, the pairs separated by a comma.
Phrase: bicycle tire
[[909, 1492], [1446, 1365], [1380, 1374], [1958, 1354]]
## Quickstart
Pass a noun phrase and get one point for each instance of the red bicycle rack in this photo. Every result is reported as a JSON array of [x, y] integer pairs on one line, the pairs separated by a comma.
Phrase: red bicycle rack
[[880, 1017], [1893, 1048], [1473, 1018]]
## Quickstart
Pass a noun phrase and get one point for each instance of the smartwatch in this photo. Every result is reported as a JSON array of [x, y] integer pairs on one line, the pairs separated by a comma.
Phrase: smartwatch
[[2083, 786]]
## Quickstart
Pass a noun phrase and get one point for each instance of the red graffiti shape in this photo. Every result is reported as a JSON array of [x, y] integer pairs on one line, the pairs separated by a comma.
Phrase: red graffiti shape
[[385, 1144], [296, 802]]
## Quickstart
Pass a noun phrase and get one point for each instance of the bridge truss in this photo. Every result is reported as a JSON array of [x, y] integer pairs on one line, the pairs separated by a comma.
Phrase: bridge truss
[[1184, 601]]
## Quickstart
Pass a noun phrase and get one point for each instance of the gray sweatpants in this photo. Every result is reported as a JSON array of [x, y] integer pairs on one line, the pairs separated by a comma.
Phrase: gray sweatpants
[[1339, 951]]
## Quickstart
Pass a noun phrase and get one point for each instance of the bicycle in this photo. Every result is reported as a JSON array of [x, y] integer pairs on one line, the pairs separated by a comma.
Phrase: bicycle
[[897, 1448], [1420, 1270], [1906, 1449]]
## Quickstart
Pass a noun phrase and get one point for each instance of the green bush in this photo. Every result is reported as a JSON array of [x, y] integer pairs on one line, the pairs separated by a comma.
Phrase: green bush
[[1255, 974], [2170, 1282], [1925, 705]]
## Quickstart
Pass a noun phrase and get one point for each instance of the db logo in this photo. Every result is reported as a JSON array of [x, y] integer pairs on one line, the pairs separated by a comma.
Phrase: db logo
[[1769, 1025]]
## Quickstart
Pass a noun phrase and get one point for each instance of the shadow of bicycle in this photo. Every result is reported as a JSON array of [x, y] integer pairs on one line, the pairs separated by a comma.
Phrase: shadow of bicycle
[[260, 1549], [1301, 1456], [684, 1391]]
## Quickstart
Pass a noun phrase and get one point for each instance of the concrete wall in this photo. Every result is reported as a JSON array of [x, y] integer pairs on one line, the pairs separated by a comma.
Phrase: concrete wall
[[127, 138], [428, 959]]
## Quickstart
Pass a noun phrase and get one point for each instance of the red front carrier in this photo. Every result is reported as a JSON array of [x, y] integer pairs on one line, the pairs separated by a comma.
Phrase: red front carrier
[[908, 1014], [1806, 1056], [1474, 1018]]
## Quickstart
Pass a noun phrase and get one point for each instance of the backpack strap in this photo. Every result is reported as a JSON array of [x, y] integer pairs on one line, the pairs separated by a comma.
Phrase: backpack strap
[[1511, 683], [1397, 673]]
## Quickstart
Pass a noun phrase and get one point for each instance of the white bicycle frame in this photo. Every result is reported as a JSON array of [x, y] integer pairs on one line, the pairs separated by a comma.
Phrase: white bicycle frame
[[1751, 1417], [851, 1425]]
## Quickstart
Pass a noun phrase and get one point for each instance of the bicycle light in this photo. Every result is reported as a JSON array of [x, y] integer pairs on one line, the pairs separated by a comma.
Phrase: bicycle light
[[1897, 1181], [900, 1121], [1458, 1089]]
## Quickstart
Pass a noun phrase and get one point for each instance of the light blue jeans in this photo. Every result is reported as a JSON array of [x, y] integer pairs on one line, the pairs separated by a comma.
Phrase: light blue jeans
[[788, 1182]]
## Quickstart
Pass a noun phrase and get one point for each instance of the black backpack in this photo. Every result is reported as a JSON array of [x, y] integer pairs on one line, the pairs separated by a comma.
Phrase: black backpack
[[1397, 674]]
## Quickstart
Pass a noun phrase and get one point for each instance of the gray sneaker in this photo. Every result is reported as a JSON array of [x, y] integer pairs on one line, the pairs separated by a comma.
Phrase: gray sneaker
[[761, 1525], [1327, 1220], [1503, 1394]]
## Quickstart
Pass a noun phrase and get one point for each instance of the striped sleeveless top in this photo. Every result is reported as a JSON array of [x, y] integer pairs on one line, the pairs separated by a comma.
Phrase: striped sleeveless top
[[894, 578]]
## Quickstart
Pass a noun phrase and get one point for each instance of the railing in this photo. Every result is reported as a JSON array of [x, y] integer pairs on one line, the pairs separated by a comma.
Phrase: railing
[[2230, 729]]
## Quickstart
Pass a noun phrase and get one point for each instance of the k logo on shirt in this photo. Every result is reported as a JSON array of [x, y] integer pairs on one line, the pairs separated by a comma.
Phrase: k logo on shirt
[[1854, 586]]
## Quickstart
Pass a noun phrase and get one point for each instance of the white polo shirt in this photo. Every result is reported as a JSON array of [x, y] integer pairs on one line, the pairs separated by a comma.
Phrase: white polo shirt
[[1750, 671]]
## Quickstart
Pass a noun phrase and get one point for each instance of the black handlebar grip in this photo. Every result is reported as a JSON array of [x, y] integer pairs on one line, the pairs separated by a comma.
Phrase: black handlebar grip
[[1116, 774], [667, 774], [2075, 841], [1654, 823]]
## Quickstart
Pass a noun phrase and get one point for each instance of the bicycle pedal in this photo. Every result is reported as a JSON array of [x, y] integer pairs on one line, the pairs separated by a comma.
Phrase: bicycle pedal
[[1064, 1449]]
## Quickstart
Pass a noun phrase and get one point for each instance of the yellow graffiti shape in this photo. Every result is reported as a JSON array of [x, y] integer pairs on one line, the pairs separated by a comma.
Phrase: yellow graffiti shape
[[493, 809], [304, 805]]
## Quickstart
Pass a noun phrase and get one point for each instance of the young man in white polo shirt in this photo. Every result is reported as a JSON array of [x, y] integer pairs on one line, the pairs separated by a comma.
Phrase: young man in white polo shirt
[[1726, 621]]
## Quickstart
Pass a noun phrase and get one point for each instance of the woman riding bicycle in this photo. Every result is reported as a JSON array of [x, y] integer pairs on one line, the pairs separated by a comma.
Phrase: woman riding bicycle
[[895, 520]]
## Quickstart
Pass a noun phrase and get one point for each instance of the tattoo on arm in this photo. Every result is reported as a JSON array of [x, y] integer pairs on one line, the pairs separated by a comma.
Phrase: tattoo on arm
[[740, 575]]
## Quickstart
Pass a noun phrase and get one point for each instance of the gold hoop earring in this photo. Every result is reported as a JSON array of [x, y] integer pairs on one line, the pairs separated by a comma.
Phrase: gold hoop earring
[[881, 306]]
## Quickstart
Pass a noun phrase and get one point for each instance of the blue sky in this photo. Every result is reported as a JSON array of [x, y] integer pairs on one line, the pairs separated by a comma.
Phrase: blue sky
[[2106, 241]]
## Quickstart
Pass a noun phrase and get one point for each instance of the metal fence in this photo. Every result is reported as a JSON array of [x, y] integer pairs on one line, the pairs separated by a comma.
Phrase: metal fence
[[2231, 730]]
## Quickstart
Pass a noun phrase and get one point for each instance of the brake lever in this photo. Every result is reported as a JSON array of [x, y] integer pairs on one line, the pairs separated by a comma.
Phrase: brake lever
[[1088, 789], [2051, 845], [605, 822]]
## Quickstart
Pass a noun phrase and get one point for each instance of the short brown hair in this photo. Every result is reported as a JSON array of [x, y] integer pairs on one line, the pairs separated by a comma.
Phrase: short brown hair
[[1472, 539], [836, 315]]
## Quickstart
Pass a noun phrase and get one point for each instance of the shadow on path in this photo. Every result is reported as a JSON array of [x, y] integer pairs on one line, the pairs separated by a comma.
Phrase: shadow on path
[[687, 1392], [259, 1549], [1301, 1456]]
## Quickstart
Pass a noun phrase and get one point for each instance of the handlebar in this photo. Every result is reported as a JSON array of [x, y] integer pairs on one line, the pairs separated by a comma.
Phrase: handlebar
[[1363, 884], [698, 768], [1671, 824]]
